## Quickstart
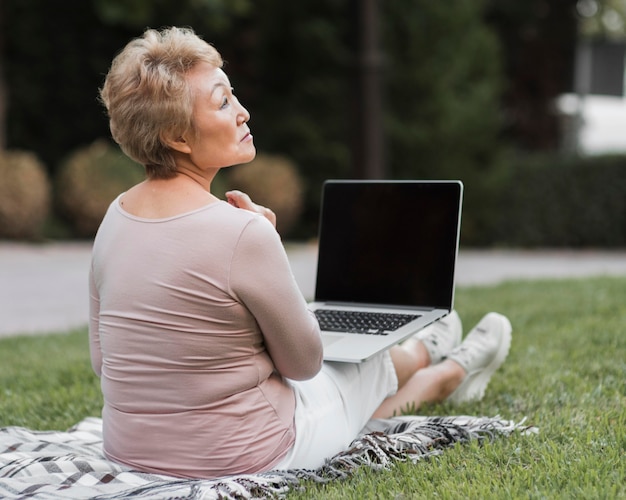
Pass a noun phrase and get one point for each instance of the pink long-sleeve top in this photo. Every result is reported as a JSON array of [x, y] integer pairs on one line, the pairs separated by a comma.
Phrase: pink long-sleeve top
[[194, 322]]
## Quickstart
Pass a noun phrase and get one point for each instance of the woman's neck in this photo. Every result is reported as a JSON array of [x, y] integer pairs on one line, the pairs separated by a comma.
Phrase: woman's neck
[[203, 182]]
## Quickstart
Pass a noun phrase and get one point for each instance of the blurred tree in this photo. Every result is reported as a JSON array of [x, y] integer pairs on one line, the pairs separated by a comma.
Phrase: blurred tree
[[216, 16], [3, 86], [443, 97], [369, 145], [602, 18], [55, 54], [295, 66], [443, 88], [538, 39]]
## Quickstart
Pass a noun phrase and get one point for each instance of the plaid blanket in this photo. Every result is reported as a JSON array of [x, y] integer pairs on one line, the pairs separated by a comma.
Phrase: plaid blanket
[[58, 465]]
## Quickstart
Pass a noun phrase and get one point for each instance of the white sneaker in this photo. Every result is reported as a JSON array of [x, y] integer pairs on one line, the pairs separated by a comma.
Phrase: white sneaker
[[441, 337], [482, 352]]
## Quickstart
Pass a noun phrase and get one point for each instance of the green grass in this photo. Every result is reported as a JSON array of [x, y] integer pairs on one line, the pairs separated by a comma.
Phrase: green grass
[[566, 372], [46, 382]]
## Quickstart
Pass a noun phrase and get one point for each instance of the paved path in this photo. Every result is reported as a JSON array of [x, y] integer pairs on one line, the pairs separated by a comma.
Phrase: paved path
[[43, 288]]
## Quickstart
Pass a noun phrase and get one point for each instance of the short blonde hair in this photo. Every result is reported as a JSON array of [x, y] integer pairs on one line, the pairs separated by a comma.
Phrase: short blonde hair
[[146, 94]]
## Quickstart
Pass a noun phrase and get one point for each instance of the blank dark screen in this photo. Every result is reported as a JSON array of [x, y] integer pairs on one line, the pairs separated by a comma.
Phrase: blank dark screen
[[390, 242]]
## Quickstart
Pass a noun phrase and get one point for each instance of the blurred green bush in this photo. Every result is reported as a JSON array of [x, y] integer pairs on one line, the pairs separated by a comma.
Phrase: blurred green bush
[[529, 201], [25, 194], [89, 180], [561, 201], [272, 181]]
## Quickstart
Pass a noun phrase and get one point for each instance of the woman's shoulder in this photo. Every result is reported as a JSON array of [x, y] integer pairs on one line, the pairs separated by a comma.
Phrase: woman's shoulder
[[245, 216], [229, 224]]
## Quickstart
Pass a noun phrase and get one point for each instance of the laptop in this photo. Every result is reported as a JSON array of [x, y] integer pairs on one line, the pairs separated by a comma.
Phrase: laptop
[[386, 262]]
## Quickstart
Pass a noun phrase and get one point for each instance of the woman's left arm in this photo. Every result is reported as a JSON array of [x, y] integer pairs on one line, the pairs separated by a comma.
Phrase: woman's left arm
[[261, 277]]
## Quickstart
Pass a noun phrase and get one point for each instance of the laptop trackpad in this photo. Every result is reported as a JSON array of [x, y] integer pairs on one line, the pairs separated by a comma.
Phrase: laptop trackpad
[[330, 339]]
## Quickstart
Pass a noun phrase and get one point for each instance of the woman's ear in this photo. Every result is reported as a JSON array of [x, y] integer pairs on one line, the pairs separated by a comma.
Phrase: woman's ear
[[176, 142]]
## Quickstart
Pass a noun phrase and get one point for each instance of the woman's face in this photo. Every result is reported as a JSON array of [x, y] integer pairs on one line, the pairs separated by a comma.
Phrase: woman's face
[[221, 136]]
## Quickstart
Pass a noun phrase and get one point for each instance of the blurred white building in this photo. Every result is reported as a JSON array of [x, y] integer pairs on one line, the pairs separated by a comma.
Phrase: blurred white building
[[594, 115], [601, 123]]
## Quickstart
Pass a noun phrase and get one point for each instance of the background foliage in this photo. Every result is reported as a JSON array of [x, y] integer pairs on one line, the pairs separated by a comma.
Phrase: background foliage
[[569, 201], [467, 87], [24, 194], [538, 39]]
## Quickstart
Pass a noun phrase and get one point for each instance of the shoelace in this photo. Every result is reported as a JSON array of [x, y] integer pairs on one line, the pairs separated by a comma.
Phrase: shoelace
[[465, 353]]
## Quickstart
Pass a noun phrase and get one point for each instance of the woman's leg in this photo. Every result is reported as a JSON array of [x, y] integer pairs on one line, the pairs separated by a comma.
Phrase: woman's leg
[[431, 384], [429, 346], [333, 407], [463, 376], [408, 358]]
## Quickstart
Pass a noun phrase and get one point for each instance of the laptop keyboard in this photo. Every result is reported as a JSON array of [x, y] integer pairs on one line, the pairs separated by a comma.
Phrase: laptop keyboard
[[361, 322]]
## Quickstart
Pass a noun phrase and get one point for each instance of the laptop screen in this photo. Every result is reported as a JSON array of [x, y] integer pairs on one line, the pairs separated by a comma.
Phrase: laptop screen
[[389, 242]]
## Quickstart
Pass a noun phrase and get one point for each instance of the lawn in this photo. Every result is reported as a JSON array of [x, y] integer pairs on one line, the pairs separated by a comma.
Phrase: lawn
[[566, 373]]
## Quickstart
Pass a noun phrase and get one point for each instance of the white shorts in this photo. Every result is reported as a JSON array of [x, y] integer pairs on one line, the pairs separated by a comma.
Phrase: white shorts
[[333, 407]]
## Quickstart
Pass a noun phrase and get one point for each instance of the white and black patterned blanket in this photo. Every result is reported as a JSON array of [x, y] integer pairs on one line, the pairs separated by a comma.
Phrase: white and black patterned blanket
[[70, 465]]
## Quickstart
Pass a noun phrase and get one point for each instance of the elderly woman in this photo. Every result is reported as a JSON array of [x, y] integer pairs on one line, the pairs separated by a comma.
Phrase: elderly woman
[[202, 372]]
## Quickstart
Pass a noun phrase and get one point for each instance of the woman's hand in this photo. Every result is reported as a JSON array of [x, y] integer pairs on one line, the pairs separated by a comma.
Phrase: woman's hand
[[242, 200]]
